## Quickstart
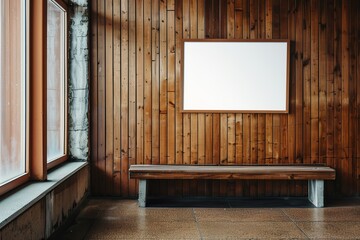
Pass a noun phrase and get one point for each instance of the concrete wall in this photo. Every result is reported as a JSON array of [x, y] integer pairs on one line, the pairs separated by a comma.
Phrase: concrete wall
[[78, 80]]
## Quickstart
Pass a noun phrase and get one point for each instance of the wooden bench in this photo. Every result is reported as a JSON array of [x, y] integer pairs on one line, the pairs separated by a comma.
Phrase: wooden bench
[[314, 174]]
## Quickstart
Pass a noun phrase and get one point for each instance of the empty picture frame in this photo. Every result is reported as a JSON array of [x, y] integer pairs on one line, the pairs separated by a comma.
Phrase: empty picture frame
[[235, 76]]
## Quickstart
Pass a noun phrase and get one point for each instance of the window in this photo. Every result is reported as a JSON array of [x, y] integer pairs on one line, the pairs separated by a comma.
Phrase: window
[[13, 97], [56, 81], [33, 89]]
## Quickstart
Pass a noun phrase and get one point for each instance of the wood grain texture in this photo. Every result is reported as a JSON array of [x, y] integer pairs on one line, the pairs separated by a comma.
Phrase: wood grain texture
[[135, 94], [231, 172]]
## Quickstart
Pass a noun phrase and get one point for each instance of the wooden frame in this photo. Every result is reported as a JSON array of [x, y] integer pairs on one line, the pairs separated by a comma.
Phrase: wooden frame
[[255, 68], [63, 158], [22, 178], [37, 71], [36, 99]]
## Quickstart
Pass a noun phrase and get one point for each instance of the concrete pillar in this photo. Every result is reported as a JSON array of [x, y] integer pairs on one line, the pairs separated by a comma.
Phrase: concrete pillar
[[78, 90], [316, 192], [142, 192]]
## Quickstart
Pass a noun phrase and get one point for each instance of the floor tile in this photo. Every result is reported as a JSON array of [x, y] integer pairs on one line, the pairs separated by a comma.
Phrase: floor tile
[[89, 212], [149, 214], [123, 219], [77, 230], [105, 229], [112, 204], [187, 203], [250, 230], [271, 203], [240, 215], [324, 214], [331, 230]]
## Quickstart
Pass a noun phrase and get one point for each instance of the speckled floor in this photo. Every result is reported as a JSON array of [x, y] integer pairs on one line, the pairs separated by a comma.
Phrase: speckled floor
[[123, 219]]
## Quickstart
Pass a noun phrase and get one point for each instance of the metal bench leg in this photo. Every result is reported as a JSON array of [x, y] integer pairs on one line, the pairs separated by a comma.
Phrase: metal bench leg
[[316, 192], [142, 192]]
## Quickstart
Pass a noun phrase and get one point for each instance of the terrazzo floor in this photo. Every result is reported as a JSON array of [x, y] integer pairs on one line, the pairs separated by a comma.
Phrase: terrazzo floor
[[123, 219]]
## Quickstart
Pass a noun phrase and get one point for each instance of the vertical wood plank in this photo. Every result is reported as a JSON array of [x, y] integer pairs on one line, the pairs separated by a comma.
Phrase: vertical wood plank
[[346, 151], [261, 20], [299, 56], [94, 96], [352, 97], [276, 123], [284, 128], [163, 83], [124, 88], [109, 97], [276, 118], [292, 82], [322, 81], [337, 90], [101, 97], [171, 82], [163, 91], [314, 84], [171, 88], [223, 138], [187, 116], [147, 82], [179, 119], [155, 93], [117, 97], [357, 20], [292, 96], [307, 80], [130, 122], [178, 76], [139, 81], [330, 86]]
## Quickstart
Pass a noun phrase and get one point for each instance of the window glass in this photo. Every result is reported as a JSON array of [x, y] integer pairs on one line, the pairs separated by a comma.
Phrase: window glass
[[55, 81], [12, 90]]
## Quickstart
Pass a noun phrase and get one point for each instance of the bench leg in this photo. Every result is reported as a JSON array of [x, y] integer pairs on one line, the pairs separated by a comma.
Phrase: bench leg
[[316, 192], [142, 192]]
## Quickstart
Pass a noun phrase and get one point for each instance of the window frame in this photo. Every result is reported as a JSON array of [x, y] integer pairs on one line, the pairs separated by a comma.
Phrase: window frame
[[36, 95], [24, 177], [63, 158]]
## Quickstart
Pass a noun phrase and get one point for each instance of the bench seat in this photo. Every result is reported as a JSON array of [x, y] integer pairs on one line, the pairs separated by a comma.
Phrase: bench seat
[[314, 174]]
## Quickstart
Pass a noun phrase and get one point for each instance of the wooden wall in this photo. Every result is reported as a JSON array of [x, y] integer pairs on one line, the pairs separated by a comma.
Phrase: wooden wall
[[135, 78]]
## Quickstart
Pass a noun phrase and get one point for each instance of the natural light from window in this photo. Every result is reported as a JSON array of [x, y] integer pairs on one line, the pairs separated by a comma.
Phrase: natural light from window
[[56, 24], [12, 90]]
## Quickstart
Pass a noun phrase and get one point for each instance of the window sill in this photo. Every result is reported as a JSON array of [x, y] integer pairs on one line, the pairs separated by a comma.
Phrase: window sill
[[18, 202]]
